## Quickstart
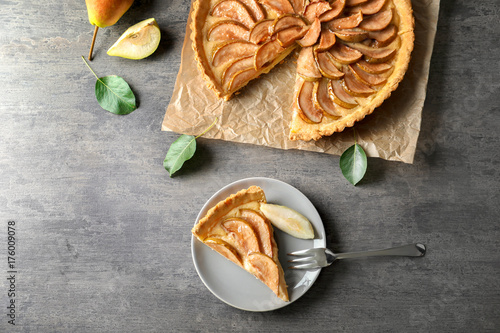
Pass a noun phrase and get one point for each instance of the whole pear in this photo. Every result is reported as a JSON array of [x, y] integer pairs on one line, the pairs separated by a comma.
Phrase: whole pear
[[103, 13]]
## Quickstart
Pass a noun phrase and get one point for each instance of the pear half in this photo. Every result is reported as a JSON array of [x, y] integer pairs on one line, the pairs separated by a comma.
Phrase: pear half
[[137, 42]]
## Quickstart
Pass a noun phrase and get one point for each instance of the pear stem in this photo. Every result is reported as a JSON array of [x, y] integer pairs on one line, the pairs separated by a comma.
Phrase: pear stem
[[93, 42]]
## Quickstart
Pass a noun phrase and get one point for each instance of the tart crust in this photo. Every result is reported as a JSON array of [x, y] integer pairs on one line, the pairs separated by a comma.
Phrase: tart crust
[[233, 208]]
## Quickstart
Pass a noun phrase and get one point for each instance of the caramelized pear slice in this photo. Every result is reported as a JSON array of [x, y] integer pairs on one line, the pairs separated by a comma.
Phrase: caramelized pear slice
[[326, 40], [349, 22], [327, 66], [378, 21], [261, 31], [224, 249], [344, 54], [306, 65], [236, 67], [339, 95], [312, 35], [255, 9], [316, 9], [288, 36], [241, 78], [367, 78], [354, 87], [231, 50], [373, 55], [305, 103], [262, 228], [266, 53], [298, 6], [243, 234], [337, 8], [280, 6], [373, 68], [227, 30], [322, 99], [265, 269], [351, 3], [234, 10], [370, 7], [383, 37], [287, 21], [351, 36]]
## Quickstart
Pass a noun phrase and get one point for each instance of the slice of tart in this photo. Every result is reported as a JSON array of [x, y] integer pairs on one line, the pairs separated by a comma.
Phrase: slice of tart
[[237, 229]]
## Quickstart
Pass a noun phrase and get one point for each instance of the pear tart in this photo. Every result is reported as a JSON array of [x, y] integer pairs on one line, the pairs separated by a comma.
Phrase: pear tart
[[353, 53], [237, 230]]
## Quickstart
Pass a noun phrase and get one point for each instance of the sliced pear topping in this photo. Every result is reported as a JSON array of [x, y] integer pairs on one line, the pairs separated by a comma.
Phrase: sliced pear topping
[[370, 7], [266, 53], [280, 6], [227, 30], [348, 22], [322, 99], [235, 67], [298, 6], [262, 228], [384, 37], [243, 234], [367, 78], [340, 96], [351, 36], [288, 36], [373, 55], [137, 42], [316, 9], [354, 87], [241, 78], [351, 3], [265, 269], [234, 10], [378, 21], [287, 21], [255, 9], [327, 66], [306, 65], [344, 54], [224, 249], [337, 8], [306, 108], [288, 220], [231, 50], [312, 35], [373, 68], [261, 31], [326, 40]]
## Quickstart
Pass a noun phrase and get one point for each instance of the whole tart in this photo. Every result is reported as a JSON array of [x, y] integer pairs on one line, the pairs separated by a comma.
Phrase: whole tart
[[351, 53], [236, 229]]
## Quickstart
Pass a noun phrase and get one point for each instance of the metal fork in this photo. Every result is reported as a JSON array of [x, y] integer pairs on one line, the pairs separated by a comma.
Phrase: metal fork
[[322, 257]]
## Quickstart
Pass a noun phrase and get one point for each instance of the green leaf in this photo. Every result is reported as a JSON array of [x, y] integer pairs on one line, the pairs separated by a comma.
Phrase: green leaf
[[114, 95], [179, 152], [353, 163]]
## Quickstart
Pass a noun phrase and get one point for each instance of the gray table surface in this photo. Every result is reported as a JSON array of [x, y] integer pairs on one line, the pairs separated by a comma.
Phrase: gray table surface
[[103, 232]]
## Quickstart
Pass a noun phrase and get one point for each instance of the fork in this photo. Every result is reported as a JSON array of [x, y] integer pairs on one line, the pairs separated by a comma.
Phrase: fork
[[322, 257]]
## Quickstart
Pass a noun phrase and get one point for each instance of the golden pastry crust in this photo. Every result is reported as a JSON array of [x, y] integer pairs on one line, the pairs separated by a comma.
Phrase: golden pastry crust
[[211, 227]]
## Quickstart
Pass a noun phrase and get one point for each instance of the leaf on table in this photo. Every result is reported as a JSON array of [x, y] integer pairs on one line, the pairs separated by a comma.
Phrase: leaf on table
[[114, 95], [179, 152], [353, 163]]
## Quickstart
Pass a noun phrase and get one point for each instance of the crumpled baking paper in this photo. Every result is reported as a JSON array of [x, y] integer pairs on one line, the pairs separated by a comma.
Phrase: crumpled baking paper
[[260, 114]]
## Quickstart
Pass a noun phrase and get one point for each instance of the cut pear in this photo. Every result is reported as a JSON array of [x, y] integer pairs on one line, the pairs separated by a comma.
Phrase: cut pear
[[137, 42], [288, 220]]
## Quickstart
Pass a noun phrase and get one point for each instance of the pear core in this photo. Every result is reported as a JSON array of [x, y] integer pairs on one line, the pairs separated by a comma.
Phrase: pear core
[[137, 42]]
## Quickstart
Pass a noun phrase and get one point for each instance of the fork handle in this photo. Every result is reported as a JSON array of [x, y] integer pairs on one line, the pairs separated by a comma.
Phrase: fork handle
[[410, 250]]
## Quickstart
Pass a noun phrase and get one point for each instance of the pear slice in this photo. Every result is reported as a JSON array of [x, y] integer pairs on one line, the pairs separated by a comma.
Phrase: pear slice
[[326, 66], [234, 10], [236, 67], [349, 22], [280, 6], [298, 6], [351, 3], [344, 54], [307, 67], [371, 7], [322, 99], [374, 68], [288, 220], [339, 96], [383, 37], [378, 21], [261, 31], [266, 53], [224, 249], [288, 36], [137, 42], [265, 269], [316, 9], [312, 35], [354, 87], [306, 109], [326, 40], [242, 233], [337, 8], [227, 30], [351, 36], [367, 78], [287, 21], [231, 50], [262, 228]]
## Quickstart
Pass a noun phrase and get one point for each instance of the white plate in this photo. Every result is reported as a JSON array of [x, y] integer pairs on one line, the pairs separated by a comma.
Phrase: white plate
[[235, 286]]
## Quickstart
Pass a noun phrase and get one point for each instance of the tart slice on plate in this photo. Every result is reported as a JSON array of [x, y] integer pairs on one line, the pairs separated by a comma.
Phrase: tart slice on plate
[[237, 229]]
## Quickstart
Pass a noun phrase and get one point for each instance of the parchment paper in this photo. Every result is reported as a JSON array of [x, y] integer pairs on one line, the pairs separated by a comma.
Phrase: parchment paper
[[261, 113]]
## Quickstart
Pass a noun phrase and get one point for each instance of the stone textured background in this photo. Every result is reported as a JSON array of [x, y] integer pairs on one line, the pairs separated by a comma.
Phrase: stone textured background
[[103, 233]]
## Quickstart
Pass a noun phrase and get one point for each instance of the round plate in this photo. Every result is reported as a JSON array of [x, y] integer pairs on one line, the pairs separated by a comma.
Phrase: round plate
[[235, 286]]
